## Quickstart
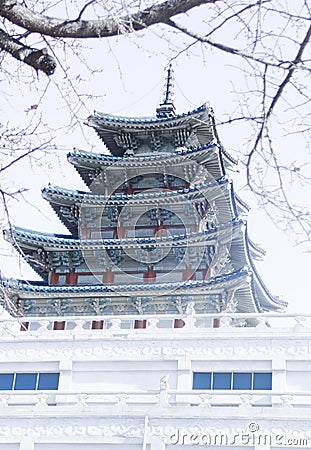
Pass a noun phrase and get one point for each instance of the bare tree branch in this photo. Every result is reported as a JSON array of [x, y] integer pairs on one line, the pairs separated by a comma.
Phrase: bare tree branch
[[38, 59], [32, 21], [291, 70], [18, 158], [226, 48], [277, 97]]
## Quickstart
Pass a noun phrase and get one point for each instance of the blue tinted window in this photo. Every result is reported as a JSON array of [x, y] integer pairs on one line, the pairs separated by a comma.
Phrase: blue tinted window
[[222, 380], [242, 381], [262, 381], [48, 381], [25, 381], [201, 380], [6, 381]]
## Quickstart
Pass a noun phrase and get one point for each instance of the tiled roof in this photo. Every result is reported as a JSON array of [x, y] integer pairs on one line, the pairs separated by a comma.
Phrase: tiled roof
[[115, 290], [20, 236]]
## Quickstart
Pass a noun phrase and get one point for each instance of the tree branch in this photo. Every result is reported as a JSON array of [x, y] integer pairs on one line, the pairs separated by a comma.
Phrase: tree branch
[[225, 48], [277, 97], [38, 59], [50, 26], [289, 75]]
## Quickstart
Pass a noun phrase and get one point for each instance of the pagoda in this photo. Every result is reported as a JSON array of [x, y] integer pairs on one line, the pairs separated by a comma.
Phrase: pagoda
[[158, 230]]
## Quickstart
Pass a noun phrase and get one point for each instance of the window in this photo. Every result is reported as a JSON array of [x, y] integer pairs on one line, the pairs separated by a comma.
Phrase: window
[[232, 380], [28, 381], [222, 380], [242, 381], [25, 381], [6, 381], [263, 381], [48, 381]]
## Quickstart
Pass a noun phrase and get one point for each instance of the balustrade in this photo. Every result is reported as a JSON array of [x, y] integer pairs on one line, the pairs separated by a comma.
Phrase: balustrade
[[179, 323], [161, 398]]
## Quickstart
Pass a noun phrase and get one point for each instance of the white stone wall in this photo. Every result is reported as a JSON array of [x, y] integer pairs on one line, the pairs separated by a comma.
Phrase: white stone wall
[[111, 396]]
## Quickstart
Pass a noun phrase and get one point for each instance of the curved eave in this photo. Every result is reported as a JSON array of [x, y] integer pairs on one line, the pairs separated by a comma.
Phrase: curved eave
[[242, 209], [267, 301], [230, 162], [67, 197], [241, 254], [247, 302], [116, 122], [71, 226], [242, 206], [108, 125], [102, 160], [233, 280], [221, 191], [90, 165], [31, 240], [256, 251]]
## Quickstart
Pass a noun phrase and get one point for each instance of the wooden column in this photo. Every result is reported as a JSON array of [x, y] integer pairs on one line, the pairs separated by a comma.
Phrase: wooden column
[[84, 233], [108, 277], [54, 277], [150, 275], [97, 324], [140, 324], [179, 323], [161, 230], [59, 325], [128, 190], [72, 277], [216, 323], [120, 231], [188, 274]]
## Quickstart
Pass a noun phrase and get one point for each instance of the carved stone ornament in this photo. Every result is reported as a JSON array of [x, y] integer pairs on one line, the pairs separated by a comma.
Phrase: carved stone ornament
[[46, 349]]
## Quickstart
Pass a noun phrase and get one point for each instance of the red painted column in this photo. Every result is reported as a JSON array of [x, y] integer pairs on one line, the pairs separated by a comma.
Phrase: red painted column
[[54, 277], [188, 274], [161, 230], [59, 325], [72, 277], [150, 275], [179, 323], [160, 227], [128, 190], [97, 324], [120, 231], [140, 324], [84, 231], [216, 323], [108, 277]]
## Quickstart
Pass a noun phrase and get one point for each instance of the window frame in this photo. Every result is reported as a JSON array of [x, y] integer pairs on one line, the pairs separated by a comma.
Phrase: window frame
[[36, 388], [232, 374]]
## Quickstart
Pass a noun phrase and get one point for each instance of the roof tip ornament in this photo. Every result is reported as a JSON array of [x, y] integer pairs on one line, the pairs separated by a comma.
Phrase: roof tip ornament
[[167, 108], [169, 85]]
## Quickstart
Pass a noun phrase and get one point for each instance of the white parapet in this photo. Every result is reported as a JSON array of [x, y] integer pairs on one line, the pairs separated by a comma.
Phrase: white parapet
[[126, 382]]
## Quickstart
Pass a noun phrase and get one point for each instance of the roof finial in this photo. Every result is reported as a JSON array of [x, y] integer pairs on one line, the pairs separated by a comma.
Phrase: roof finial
[[167, 108], [169, 85]]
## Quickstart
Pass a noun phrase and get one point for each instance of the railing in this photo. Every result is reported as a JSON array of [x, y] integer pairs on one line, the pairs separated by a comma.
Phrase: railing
[[124, 324], [162, 398]]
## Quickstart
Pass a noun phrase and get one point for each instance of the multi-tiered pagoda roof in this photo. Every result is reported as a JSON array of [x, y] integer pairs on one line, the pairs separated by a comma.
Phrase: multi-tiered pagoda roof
[[160, 226]]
